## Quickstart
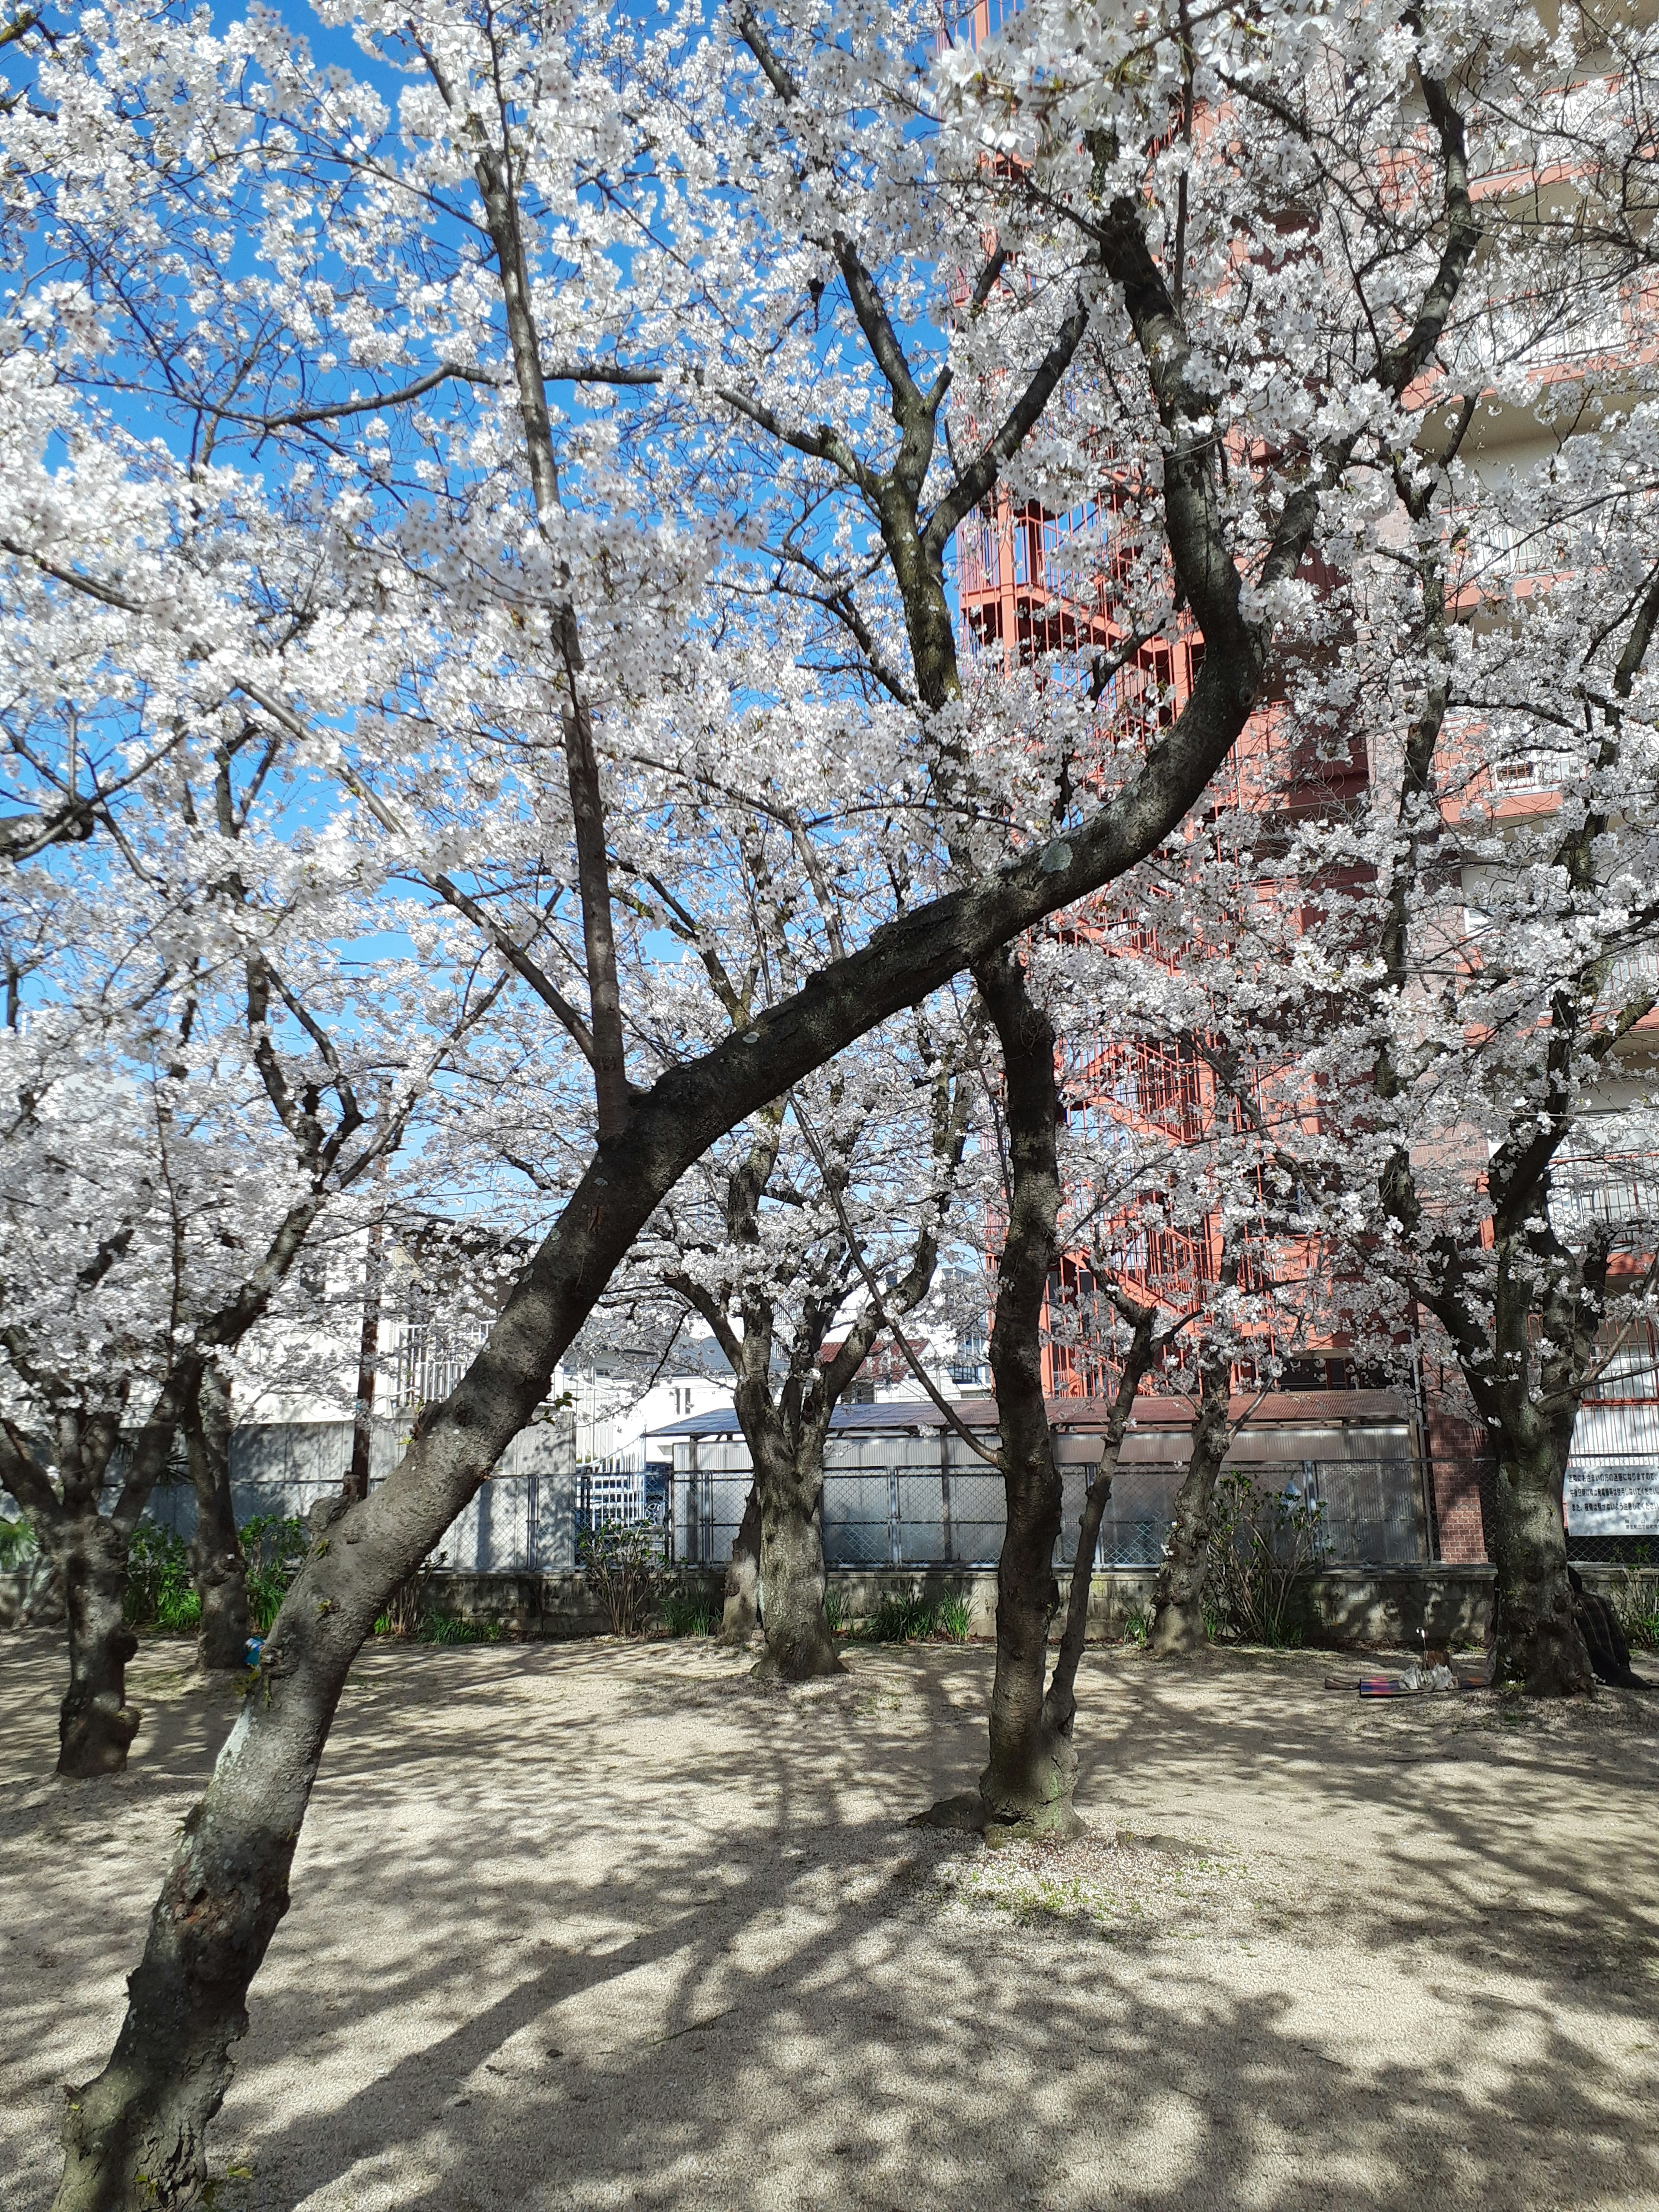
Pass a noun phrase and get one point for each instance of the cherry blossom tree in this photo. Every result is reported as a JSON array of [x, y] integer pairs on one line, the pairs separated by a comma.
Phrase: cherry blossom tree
[[195, 1082], [1489, 1081], [833, 1235], [354, 330]]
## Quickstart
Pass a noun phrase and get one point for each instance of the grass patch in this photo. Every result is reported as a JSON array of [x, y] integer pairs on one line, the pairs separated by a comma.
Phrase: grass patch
[[951, 1618], [1636, 1604], [900, 1619], [1094, 1886], [685, 1613], [450, 1628]]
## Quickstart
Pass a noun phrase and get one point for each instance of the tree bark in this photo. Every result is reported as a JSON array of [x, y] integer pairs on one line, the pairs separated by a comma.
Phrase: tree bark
[[87, 1550], [740, 1616], [136, 2135], [800, 1647], [368, 1345], [1540, 1643], [1144, 1346], [1026, 1787], [216, 1554], [95, 1724], [1178, 1595]]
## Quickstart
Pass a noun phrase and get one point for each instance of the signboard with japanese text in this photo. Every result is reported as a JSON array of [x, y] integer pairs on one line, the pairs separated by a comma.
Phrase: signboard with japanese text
[[1610, 1498]]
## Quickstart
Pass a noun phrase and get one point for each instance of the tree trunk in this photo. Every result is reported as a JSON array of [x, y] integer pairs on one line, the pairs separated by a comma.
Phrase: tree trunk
[[1540, 1643], [1026, 1788], [95, 1724], [135, 2136], [1144, 1346], [798, 1645], [362, 1412], [216, 1555], [1178, 1593], [740, 1616]]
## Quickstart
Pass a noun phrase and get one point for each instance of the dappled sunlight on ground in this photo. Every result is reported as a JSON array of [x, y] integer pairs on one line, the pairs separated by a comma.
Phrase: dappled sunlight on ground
[[606, 1924]]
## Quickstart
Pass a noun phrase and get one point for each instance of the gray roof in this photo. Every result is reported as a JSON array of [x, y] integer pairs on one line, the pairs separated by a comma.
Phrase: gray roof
[[975, 1412], [1294, 1408]]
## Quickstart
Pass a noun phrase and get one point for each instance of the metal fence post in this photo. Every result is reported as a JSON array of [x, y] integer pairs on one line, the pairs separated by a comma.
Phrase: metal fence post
[[947, 1544]]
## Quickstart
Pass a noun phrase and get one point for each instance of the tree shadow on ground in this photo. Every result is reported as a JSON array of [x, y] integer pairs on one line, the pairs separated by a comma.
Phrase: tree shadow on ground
[[1425, 1975]]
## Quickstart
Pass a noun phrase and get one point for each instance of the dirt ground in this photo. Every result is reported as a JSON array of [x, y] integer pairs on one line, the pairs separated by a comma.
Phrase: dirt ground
[[606, 1925]]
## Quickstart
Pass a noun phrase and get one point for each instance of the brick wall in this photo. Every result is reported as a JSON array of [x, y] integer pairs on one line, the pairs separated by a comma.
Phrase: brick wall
[[1456, 1466]]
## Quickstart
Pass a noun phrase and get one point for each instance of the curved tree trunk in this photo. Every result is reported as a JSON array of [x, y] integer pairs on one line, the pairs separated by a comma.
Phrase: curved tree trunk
[[1026, 1787], [87, 1550], [1144, 1347], [798, 1645], [740, 1616], [1178, 1593], [1540, 1643], [216, 1554], [95, 1724], [136, 2135]]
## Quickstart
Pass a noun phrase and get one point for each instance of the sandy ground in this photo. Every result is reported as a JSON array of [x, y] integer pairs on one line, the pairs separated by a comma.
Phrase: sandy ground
[[605, 1925]]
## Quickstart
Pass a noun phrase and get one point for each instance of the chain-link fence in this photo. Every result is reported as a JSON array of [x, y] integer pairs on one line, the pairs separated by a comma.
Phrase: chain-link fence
[[919, 1498], [900, 1516], [526, 1517]]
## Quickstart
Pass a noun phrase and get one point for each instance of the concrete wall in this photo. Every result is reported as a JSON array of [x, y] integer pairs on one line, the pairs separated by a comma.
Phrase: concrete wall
[[1338, 1609]]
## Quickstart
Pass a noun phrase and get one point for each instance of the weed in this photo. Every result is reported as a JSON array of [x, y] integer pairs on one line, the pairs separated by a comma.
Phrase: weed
[[272, 1548], [1138, 1626], [899, 1619], [685, 1613], [1261, 1547], [950, 1619], [450, 1628], [160, 1591], [17, 1544], [1636, 1602], [406, 1610], [835, 1610]]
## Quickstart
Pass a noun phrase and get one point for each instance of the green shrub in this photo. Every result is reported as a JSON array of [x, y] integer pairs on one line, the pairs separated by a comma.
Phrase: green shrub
[[685, 1613], [1636, 1604], [160, 1591], [902, 1619], [450, 1628], [950, 1619], [406, 1609], [1261, 1547], [272, 1549], [1138, 1626], [17, 1544], [911, 1619], [620, 1560], [835, 1609]]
